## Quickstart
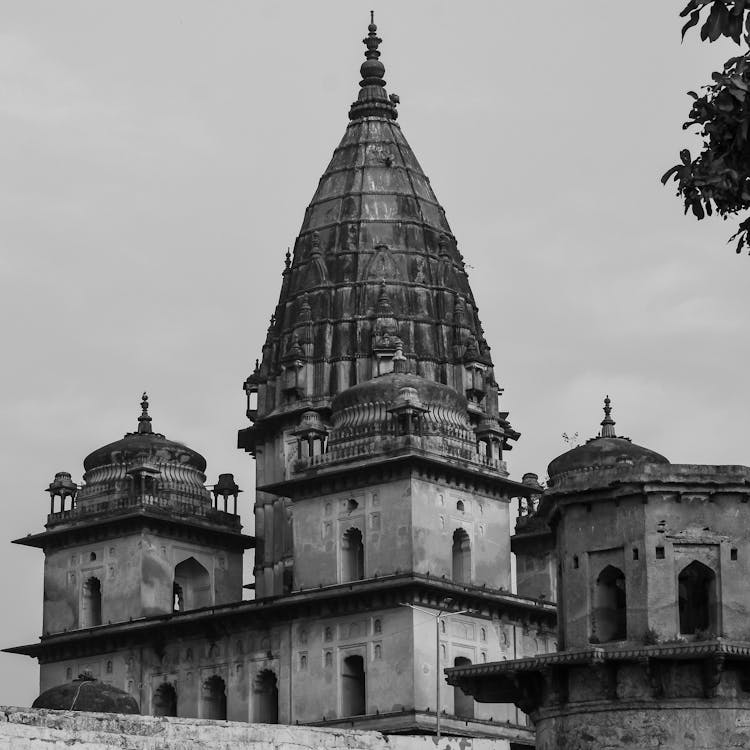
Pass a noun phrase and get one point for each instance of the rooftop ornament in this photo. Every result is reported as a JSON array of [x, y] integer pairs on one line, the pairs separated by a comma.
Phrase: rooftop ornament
[[373, 100], [608, 424], [144, 421]]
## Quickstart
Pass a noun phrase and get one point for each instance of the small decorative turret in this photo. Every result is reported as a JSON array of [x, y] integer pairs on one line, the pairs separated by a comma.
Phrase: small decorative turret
[[62, 486], [226, 487]]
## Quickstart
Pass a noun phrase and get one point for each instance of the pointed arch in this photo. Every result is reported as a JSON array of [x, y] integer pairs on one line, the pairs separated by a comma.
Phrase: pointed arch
[[164, 702], [609, 616], [192, 585], [352, 555], [696, 585], [266, 698], [91, 603], [214, 698], [461, 557]]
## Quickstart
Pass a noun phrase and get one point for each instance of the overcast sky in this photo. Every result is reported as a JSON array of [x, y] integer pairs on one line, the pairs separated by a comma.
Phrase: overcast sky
[[156, 160]]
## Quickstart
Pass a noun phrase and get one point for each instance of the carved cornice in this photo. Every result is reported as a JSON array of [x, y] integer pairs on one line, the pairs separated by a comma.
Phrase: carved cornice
[[340, 599]]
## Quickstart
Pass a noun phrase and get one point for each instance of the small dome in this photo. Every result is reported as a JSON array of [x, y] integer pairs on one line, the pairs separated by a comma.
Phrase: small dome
[[141, 443], [387, 389], [603, 452], [87, 694]]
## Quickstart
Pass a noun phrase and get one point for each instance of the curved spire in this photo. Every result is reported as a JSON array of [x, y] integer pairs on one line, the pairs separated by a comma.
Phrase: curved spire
[[373, 101], [144, 421], [608, 424]]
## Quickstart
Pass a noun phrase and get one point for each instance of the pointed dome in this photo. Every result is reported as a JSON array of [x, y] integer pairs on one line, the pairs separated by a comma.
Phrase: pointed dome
[[375, 227]]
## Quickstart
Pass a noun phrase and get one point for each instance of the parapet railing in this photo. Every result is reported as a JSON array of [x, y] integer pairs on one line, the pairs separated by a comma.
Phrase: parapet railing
[[184, 503], [378, 443]]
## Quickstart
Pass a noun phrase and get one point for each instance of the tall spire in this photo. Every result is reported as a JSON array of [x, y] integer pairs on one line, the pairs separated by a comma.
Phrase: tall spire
[[608, 424], [373, 101], [144, 421]]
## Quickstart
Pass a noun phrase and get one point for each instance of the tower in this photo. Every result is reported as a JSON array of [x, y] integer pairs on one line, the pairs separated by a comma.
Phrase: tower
[[141, 537], [382, 498], [651, 559], [380, 442]]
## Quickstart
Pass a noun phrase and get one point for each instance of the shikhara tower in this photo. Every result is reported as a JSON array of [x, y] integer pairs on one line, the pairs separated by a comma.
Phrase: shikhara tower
[[375, 284], [382, 499]]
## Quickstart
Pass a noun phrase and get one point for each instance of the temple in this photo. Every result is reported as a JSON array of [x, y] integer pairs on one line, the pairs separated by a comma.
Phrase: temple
[[382, 506]]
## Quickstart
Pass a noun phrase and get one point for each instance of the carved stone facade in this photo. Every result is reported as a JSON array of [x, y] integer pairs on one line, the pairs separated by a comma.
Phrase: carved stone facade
[[652, 565], [382, 531]]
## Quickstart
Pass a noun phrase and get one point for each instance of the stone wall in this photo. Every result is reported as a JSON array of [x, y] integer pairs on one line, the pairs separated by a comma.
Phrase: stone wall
[[30, 729]]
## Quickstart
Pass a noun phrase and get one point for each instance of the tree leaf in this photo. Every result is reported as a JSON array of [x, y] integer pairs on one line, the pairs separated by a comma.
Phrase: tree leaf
[[694, 18]]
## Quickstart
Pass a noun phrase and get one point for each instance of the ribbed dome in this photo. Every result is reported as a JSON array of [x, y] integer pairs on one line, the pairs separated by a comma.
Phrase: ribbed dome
[[111, 470], [387, 388], [369, 404], [144, 444], [87, 694]]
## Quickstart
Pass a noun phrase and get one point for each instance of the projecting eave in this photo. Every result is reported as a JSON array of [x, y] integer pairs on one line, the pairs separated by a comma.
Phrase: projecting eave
[[524, 681], [112, 525], [384, 591]]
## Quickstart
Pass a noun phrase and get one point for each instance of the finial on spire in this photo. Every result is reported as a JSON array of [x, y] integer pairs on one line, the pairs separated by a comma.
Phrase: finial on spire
[[287, 260], [373, 100], [608, 424], [144, 421]]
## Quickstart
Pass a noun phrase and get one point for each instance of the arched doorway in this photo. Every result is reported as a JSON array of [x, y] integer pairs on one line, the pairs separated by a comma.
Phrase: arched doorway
[[609, 618], [353, 690], [266, 698], [164, 702], [463, 705], [697, 598], [91, 603], [214, 698], [192, 586], [352, 556], [461, 557]]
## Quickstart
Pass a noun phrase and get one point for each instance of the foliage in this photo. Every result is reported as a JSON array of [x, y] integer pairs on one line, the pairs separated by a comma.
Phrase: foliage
[[651, 637], [718, 178]]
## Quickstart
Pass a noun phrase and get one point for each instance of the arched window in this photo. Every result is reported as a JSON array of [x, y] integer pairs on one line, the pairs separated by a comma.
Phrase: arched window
[[108, 668], [266, 698], [165, 701], [193, 583], [609, 618], [352, 556], [463, 705], [377, 627], [91, 603], [697, 598], [461, 563], [178, 600], [460, 506], [214, 698], [353, 700]]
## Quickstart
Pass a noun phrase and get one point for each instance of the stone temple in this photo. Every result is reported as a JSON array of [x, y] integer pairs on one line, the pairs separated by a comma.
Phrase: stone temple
[[382, 525], [382, 535]]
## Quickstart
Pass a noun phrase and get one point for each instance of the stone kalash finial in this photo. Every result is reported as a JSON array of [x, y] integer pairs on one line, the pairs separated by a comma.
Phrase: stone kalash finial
[[608, 424], [373, 101], [144, 421]]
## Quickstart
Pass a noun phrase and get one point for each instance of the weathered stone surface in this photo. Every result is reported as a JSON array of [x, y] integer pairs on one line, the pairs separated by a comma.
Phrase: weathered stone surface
[[30, 729], [644, 725]]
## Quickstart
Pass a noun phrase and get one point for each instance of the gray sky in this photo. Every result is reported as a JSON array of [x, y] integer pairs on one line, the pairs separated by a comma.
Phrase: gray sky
[[156, 160]]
